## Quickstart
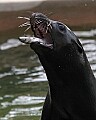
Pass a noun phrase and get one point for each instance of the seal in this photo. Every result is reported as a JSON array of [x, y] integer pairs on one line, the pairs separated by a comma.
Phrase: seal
[[72, 85]]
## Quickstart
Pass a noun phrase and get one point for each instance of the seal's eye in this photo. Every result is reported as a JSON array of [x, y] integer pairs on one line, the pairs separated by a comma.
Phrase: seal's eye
[[61, 27]]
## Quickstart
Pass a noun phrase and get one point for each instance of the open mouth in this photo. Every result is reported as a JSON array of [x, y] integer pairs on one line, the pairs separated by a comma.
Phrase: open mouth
[[41, 26]]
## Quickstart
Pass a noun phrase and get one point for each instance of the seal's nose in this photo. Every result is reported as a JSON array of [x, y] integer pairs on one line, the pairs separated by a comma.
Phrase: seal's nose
[[38, 16]]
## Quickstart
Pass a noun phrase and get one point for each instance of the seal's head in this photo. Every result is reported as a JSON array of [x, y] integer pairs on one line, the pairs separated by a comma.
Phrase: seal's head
[[41, 27], [54, 34], [59, 47]]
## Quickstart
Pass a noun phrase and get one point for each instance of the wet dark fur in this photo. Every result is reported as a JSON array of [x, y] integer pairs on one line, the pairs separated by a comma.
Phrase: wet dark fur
[[72, 85]]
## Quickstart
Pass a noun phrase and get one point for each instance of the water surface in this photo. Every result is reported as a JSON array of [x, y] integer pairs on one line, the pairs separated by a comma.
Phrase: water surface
[[23, 82]]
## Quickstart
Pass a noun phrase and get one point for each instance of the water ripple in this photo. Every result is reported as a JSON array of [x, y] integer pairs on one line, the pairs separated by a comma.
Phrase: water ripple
[[15, 71], [37, 74], [10, 44], [35, 111], [23, 100], [90, 33], [19, 71]]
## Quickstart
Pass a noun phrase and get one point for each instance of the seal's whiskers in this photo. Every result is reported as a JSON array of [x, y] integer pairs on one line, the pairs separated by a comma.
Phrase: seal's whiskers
[[25, 24], [38, 23], [26, 18], [47, 27], [50, 26], [27, 29]]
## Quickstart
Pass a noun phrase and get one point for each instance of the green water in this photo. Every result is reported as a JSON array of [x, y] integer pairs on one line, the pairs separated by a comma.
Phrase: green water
[[16, 66], [23, 84], [12, 61]]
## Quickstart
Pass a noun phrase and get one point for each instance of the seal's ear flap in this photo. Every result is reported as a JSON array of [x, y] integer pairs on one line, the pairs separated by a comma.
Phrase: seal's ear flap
[[79, 45]]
